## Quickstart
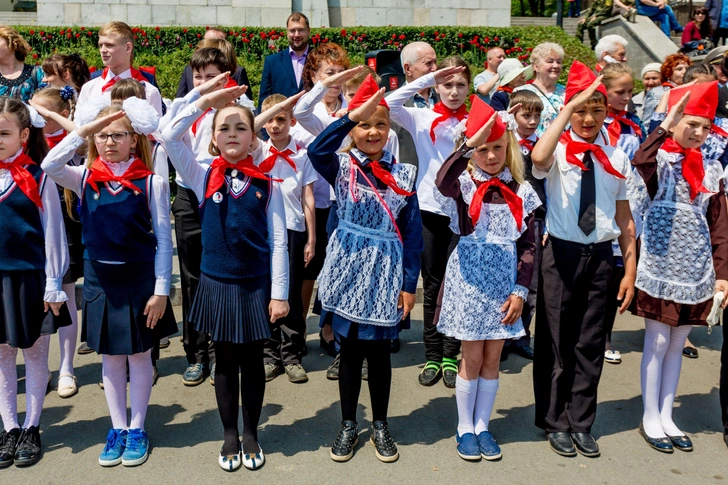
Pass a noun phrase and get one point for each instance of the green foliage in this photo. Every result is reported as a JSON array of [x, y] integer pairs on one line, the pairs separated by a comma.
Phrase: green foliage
[[170, 48]]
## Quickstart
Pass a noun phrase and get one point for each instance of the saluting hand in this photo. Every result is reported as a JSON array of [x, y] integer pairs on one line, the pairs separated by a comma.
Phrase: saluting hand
[[367, 110], [99, 124]]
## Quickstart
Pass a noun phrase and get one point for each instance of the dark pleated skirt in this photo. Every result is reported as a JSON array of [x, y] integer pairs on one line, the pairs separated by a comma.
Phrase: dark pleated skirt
[[113, 308], [21, 309], [234, 312]]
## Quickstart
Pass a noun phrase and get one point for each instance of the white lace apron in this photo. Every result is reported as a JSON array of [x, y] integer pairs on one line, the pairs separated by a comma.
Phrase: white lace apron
[[481, 272], [676, 259], [362, 274]]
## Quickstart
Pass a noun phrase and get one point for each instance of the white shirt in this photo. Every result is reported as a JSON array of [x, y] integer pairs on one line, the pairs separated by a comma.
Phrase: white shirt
[[51, 219], [55, 165], [323, 193], [196, 176], [563, 192], [293, 182], [418, 122], [92, 89], [311, 114]]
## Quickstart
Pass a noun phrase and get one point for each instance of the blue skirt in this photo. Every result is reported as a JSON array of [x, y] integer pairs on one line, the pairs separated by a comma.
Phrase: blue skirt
[[22, 319], [114, 297], [234, 312]]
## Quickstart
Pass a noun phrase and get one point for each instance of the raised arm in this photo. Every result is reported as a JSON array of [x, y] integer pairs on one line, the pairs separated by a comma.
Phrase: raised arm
[[56, 166], [268, 114]]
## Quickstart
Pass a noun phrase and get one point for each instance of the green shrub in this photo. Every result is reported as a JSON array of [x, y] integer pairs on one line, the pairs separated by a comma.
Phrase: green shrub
[[170, 48]]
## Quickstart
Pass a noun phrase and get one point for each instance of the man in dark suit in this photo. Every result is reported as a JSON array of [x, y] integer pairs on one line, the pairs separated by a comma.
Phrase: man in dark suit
[[186, 83], [283, 71]]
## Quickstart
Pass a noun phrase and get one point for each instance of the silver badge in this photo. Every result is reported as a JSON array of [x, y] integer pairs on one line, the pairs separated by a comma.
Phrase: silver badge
[[234, 173], [217, 197], [97, 196]]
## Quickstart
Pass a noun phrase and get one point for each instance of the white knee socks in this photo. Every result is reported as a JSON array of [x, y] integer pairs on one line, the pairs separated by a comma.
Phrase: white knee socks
[[67, 337], [465, 395], [660, 370], [487, 390]]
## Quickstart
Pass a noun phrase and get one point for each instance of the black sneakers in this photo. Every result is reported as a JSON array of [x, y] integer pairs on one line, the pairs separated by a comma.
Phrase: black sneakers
[[384, 446], [28, 450], [8, 444], [343, 448]]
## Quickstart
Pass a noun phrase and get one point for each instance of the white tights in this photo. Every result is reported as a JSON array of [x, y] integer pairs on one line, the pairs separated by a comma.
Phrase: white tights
[[67, 337], [140, 387], [36, 382], [661, 364]]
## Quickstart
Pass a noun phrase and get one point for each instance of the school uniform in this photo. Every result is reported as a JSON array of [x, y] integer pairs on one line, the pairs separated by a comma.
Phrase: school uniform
[[495, 254], [34, 256], [128, 251], [434, 133], [361, 287], [292, 166], [102, 85], [576, 268]]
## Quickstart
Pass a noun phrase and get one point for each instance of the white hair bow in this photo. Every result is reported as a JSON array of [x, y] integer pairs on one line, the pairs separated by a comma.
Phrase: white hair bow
[[35, 118]]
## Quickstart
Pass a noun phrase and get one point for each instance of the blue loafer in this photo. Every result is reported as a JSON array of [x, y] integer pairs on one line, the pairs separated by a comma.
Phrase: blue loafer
[[468, 447], [681, 443], [489, 449], [663, 445]]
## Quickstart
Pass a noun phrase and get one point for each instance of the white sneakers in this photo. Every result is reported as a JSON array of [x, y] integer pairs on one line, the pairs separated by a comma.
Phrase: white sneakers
[[613, 356]]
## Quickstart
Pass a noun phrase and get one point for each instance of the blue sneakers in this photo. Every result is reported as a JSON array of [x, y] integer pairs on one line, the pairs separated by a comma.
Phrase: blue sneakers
[[468, 447], [137, 448], [115, 441], [489, 449], [194, 375]]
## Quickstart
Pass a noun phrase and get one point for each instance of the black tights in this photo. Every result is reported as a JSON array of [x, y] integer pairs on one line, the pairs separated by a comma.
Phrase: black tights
[[245, 360], [353, 353]]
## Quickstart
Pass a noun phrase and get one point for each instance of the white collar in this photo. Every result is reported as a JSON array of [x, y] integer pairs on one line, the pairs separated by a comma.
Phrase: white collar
[[12, 159], [601, 139], [481, 175], [119, 168], [291, 145], [363, 160]]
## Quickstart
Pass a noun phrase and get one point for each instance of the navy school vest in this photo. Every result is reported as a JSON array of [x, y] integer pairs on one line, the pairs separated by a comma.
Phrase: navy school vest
[[21, 232], [235, 230], [117, 225]]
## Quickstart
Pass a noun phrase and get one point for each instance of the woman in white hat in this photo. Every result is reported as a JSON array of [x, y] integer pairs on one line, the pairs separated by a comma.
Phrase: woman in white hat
[[512, 75], [650, 79]]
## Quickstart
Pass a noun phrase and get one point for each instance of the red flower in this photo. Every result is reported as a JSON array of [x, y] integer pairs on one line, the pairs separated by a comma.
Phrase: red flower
[[35, 56], [156, 37], [136, 37], [437, 33], [516, 40], [263, 35], [343, 32], [442, 36], [246, 40], [486, 39], [135, 30], [199, 36], [78, 34], [236, 34], [422, 34], [396, 44], [460, 35], [83, 28], [326, 39], [272, 46], [68, 36], [394, 36], [156, 28], [32, 32], [402, 37], [42, 33], [351, 37], [244, 29], [495, 39], [231, 32], [207, 27], [359, 39], [353, 32], [184, 30], [62, 32], [90, 33], [251, 35]]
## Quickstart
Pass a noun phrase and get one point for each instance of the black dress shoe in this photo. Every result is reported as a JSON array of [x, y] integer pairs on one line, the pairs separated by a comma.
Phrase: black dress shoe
[[384, 446], [681, 443], [663, 445], [327, 346], [343, 447], [690, 352], [561, 443], [8, 444], [431, 373], [28, 451], [394, 346], [524, 351], [585, 444]]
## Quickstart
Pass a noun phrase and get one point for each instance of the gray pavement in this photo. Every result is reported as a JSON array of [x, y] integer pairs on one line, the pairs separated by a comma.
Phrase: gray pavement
[[300, 422]]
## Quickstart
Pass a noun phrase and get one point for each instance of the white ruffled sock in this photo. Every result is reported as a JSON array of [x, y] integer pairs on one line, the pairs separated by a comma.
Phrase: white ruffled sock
[[465, 396]]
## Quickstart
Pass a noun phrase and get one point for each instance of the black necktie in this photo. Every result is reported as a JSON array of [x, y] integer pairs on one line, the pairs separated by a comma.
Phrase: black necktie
[[587, 201]]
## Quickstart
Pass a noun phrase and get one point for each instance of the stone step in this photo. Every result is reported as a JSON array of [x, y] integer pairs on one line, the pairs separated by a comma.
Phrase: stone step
[[18, 18]]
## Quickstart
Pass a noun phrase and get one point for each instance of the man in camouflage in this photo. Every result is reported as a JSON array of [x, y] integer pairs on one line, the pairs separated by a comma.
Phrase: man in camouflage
[[599, 10]]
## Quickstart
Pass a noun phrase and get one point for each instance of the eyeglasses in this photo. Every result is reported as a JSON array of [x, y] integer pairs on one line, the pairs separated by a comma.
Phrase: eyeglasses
[[118, 137], [699, 13]]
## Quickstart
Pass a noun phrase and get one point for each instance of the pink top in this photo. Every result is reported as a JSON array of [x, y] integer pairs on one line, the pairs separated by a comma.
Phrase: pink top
[[690, 33]]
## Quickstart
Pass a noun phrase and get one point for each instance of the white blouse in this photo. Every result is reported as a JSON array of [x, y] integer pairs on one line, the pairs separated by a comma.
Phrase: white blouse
[[55, 165], [196, 175], [56, 247]]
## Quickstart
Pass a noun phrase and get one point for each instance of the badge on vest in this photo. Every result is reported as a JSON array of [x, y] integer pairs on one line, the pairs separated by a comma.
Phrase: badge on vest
[[97, 196], [258, 195], [217, 197]]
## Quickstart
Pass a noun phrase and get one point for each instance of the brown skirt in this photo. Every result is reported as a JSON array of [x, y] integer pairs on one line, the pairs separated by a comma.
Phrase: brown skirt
[[669, 312]]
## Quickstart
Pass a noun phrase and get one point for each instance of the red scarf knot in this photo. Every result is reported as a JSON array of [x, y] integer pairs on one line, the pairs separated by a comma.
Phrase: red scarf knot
[[527, 144], [574, 148], [246, 166], [692, 166], [445, 114], [23, 178], [54, 140], [135, 74], [285, 155], [615, 128], [101, 173], [515, 204]]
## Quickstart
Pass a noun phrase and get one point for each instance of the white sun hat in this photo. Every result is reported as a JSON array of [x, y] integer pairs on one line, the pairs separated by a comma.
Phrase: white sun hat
[[510, 69]]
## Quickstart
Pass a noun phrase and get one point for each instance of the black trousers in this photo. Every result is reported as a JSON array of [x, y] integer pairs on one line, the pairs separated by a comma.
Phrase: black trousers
[[353, 353], [724, 381], [569, 350], [529, 307], [439, 243], [288, 335], [197, 345]]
